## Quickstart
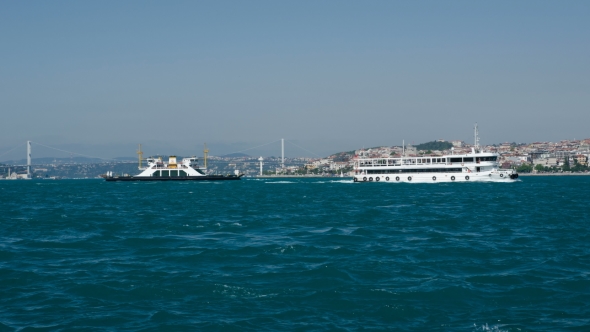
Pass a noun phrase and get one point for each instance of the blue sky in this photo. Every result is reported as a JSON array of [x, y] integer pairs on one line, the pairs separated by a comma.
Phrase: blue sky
[[99, 77]]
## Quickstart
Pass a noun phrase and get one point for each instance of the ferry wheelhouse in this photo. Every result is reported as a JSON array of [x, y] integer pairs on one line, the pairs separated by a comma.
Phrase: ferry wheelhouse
[[159, 170], [474, 166]]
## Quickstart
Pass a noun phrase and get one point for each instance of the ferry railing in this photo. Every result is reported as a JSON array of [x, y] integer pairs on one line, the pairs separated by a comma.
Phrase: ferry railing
[[415, 162]]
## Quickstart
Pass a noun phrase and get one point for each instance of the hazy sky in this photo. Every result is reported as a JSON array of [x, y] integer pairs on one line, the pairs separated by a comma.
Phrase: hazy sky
[[98, 77]]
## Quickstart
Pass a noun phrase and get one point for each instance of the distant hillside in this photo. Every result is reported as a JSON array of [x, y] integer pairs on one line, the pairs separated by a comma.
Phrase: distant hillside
[[235, 155], [342, 156], [434, 146]]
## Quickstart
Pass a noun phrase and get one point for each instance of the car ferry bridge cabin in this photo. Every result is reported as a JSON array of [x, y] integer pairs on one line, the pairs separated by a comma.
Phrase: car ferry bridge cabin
[[158, 168]]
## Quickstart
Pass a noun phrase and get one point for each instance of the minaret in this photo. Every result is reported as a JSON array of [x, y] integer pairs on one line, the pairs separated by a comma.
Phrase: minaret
[[260, 160], [403, 148], [28, 159]]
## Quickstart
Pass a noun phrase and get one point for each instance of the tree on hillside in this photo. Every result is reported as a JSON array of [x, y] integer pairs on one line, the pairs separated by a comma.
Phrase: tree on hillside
[[434, 146], [539, 168]]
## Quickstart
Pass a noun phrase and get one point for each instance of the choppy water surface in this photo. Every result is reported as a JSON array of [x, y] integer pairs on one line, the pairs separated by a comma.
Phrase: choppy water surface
[[302, 254]]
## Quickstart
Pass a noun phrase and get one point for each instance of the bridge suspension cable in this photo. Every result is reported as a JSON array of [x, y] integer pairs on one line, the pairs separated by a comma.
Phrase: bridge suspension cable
[[302, 148], [256, 147], [18, 146], [70, 152]]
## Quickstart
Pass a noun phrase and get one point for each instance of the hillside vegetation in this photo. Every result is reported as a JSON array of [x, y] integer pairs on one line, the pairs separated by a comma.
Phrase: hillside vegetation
[[434, 146]]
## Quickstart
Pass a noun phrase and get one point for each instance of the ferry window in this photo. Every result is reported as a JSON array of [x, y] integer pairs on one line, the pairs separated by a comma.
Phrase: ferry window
[[165, 174], [182, 173], [468, 160], [456, 160], [156, 174], [174, 173]]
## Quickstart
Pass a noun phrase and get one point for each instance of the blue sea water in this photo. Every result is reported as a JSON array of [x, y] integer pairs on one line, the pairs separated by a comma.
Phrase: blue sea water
[[295, 255]]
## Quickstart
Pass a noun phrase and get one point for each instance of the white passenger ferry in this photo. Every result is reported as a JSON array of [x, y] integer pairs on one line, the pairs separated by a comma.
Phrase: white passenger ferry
[[159, 170], [474, 166]]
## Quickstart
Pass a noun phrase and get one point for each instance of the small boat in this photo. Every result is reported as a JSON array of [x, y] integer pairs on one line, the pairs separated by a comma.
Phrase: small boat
[[158, 170]]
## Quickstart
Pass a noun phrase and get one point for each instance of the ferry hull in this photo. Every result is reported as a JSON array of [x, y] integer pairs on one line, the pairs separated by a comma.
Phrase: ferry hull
[[179, 178], [504, 176]]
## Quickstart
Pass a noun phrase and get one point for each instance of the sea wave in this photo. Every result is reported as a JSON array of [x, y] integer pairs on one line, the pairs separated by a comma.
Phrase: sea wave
[[314, 255]]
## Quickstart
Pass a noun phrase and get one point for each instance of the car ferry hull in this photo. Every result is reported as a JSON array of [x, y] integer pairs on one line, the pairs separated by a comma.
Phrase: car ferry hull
[[183, 178]]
